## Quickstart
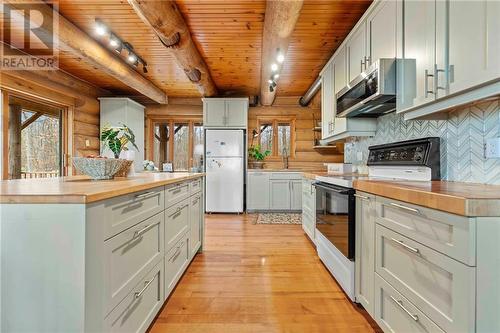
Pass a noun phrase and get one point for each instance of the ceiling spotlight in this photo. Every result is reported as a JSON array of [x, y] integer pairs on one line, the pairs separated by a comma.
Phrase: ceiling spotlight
[[280, 57], [113, 42], [276, 76], [274, 67], [144, 69], [270, 81], [273, 84], [132, 58], [271, 88], [100, 28]]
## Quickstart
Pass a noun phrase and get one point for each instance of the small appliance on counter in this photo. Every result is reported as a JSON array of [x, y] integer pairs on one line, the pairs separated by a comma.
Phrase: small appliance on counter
[[338, 168], [413, 160]]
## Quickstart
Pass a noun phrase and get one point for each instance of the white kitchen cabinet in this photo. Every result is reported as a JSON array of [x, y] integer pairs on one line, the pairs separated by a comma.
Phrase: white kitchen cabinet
[[296, 194], [327, 101], [419, 49], [381, 32], [258, 190], [340, 70], [225, 112], [195, 224], [280, 194], [309, 208], [356, 52], [118, 111], [365, 251], [474, 43]]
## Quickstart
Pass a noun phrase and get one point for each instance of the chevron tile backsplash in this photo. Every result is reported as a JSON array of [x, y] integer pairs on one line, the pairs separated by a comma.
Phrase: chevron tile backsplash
[[463, 137]]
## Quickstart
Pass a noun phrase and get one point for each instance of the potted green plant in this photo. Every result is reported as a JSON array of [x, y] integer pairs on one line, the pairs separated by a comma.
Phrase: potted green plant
[[115, 139], [256, 157]]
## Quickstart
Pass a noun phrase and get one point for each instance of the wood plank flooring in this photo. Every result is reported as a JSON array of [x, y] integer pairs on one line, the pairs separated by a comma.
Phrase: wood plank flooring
[[258, 278]]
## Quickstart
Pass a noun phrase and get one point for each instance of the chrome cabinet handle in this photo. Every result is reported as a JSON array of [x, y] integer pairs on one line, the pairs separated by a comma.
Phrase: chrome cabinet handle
[[426, 83], [363, 64], [413, 210], [408, 247], [140, 232], [139, 293], [195, 201], [436, 79], [143, 195], [361, 196], [400, 304], [368, 61], [178, 210], [177, 252], [451, 73]]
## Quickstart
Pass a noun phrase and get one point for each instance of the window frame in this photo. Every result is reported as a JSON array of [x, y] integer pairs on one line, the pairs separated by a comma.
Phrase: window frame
[[171, 120], [275, 120]]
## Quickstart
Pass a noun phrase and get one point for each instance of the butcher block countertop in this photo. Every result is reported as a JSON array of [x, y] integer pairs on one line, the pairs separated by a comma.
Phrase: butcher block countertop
[[465, 199], [81, 189]]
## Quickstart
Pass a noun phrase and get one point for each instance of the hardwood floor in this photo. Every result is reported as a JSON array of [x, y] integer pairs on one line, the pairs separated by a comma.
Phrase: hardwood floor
[[258, 278]]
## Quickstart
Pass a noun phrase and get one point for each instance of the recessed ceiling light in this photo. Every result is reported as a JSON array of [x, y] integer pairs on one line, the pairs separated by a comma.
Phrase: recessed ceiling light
[[100, 29], [132, 58], [113, 42], [274, 67], [280, 58], [270, 81], [276, 76]]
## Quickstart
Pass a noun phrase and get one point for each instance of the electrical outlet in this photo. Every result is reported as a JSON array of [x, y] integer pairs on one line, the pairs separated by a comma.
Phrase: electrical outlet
[[87, 143], [492, 148]]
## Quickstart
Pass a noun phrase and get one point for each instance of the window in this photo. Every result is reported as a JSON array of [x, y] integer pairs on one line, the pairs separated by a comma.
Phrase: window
[[177, 141], [276, 135]]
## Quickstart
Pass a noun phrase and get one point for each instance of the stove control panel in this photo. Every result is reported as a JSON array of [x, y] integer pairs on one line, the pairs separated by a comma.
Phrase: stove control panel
[[423, 152]]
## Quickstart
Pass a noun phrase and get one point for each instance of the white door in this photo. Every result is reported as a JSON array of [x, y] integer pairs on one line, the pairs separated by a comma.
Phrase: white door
[[214, 113], [474, 43], [356, 52], [419, 48], [236, 113], [381, 27], [224, 143], [224, 179], [327, 101], [340, 72]]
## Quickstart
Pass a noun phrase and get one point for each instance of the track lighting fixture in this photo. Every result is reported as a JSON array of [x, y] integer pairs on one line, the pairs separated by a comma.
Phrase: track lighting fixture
[[276, 76], [274, 67], [280, 56], [100, 28]]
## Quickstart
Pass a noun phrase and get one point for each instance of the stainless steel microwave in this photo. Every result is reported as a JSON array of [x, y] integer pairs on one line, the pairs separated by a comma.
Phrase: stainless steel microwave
[[370, 94]]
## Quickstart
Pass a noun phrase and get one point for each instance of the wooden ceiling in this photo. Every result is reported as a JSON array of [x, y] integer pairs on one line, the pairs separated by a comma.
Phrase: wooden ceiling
[[228, 34]]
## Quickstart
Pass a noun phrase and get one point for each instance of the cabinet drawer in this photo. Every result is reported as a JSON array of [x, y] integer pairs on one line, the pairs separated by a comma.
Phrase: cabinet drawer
[[136, 312], [122, 212], [175, 193], [129, 255], [176, 261], [285, 175], [195, 186], [394, 313], [450, 234], [440, 287], [176, 222]]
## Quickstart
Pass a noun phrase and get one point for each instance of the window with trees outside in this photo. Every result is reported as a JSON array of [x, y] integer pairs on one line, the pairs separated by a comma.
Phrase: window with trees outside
[[177, 141], [276, 134]]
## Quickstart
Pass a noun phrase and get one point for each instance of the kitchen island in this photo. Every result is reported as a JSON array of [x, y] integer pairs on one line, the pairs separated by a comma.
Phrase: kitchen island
[[89, 256]]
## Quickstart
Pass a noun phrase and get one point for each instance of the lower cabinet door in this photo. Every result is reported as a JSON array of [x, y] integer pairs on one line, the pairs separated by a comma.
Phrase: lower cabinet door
[[138, 309], [308, 225], [295, 194], [280, 194], [394, 313], [195, 221], [176, 261]]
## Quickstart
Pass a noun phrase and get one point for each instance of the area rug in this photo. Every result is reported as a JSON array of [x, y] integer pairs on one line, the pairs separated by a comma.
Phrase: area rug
[[279, 218]]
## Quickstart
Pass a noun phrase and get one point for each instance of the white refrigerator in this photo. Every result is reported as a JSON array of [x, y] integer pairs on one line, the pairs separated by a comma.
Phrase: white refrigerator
[[225, 170]]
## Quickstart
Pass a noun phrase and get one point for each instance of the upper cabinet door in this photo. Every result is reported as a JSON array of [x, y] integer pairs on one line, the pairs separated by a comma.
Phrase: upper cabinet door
[[417, 71], [356, 52], [474, 43], [381, 26], [340, 71], [327, 101], [214, 113], [236, 113]]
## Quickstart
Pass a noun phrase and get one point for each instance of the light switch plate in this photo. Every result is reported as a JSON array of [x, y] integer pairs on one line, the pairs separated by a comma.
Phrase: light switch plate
[[492, 148], [87, 143]]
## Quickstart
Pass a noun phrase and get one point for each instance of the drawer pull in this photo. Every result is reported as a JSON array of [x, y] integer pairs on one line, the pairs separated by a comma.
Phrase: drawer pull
[[143, 195], [177, 211], [413, 210], [400, 304], [139, 293], [175, 191], [176, 254], [408, 247], [140, 232], [361, 196]]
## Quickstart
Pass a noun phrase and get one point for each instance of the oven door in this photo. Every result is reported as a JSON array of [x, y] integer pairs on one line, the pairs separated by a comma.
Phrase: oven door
[[335, 220]]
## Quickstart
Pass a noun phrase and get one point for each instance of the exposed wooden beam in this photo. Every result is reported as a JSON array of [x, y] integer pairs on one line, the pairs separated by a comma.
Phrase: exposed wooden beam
[[279, 23], [71, 39], [168, 23]]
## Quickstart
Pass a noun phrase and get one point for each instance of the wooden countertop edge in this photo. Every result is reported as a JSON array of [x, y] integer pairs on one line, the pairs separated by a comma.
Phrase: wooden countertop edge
[[90, 198]]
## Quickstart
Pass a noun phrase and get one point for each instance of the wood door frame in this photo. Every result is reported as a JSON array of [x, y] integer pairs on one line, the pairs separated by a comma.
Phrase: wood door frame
[[150, 125], [275, 120], [67, 115]]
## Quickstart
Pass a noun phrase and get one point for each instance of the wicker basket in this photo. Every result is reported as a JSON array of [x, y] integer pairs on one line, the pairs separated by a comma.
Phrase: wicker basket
[[123, 172]]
